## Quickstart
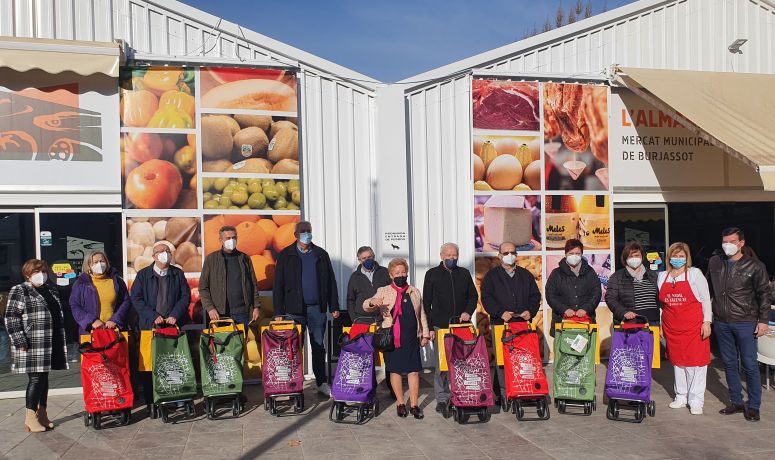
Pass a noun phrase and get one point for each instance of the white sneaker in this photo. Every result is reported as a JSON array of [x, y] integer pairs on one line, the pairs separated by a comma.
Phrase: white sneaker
[[677, 404], [324, 389], [695, 410]]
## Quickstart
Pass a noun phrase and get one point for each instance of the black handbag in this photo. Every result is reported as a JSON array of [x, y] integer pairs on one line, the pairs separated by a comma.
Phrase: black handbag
[[382, 339]]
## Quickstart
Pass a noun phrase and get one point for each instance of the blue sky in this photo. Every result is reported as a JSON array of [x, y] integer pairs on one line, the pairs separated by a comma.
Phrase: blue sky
[[392, 40]]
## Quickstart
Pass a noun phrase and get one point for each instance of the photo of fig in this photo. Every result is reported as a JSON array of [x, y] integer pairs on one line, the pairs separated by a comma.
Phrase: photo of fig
[[180, 234]]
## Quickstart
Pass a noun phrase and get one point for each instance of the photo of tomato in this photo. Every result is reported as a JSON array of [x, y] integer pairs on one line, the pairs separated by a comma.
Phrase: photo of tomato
[[162, 98], [159, 170]]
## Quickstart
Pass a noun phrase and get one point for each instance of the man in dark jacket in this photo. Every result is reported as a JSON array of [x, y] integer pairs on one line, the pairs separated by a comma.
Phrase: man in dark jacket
[[741, 308], [160, 294], [305, 288], [448, 291], [573, 288], [227, 285], [364, 282], [508, 291]]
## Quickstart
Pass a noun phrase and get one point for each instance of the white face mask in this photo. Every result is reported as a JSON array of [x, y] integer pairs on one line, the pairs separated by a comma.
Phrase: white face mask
[[37, 279], [230, 244], [99, 268], [730, 249], [573, 259], [163, 257], [509, 259], [634, 262]]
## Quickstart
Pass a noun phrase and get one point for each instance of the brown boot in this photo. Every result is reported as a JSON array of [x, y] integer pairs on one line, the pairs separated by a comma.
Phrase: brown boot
[[31, 422], [43, 418]]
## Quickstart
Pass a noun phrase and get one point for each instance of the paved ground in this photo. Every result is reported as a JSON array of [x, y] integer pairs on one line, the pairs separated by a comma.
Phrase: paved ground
[[672, 434]]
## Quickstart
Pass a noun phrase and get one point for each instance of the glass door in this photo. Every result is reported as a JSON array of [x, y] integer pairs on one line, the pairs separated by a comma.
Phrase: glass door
[[645, 224]]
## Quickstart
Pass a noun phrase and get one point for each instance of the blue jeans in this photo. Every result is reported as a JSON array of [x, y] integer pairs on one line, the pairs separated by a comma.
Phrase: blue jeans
[[315, 321], [241, 318], [734, 339]]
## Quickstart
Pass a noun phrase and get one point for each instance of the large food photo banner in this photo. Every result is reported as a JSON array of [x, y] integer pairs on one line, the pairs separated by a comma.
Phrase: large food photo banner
[[575, 136], [158, 137], [507, 218]]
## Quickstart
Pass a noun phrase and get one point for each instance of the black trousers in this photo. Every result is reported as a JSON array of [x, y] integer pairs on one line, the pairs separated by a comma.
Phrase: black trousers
[[37, 390]]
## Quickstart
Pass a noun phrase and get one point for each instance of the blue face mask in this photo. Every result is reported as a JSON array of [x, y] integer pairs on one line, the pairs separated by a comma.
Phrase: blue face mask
[[369, 264], [450, 263], [677, 262], [305, 238]]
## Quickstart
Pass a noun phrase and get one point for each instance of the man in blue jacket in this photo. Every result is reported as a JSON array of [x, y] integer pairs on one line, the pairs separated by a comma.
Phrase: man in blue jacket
[[305, 289], [160, 294]]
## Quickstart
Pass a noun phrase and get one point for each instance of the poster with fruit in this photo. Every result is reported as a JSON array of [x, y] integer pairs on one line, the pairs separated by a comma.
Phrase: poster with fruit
[[182, 235], [261, 237], [539, 164], [158, 97]]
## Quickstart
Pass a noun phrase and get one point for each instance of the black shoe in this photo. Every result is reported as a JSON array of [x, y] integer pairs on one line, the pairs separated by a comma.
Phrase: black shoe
[[752, 415], [441, 407], [401, 410], [732, 409], [416, 412]]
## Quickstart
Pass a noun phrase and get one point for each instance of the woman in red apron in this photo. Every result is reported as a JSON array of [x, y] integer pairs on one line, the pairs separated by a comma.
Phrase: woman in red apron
[[686, 318]]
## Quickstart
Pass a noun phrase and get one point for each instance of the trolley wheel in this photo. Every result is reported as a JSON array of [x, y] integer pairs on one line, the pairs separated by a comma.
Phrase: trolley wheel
[[235, 407], [376, 407], [543, 409], [154, 412], [272, 407], [640, 412], [560, 405], [266, 403], [588, 408], [594, 403], [331, 411], [484, 415], [86, 419], [97, 422], [125, 414], [612, 412], [190, 409], [556, 403], [651, 409], [164, 414]]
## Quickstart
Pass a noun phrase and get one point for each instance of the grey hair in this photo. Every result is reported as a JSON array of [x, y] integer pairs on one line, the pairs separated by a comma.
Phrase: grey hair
[[363, 249], [449, 245], [87, 261], [303, 223]]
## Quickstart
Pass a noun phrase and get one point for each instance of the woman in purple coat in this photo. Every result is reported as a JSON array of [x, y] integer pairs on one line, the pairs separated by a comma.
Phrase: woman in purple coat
[[99, 298]]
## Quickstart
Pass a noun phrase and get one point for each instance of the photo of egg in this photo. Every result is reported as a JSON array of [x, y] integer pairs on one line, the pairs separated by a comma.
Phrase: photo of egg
[[506, 163]]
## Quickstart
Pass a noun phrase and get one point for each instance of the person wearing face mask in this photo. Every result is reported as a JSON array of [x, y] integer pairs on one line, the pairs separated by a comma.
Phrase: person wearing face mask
[[508, 292], [305, 289], [632, 290], [448, 291], [573, 288], [741, 308], [160, 294], [99, 298], [401, 306], [686, 319], [364, 282], [227, 285], [35, 326]]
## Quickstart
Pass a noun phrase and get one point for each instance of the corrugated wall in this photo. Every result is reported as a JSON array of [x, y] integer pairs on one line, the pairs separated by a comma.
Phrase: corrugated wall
[[339, 153], [682, 35]]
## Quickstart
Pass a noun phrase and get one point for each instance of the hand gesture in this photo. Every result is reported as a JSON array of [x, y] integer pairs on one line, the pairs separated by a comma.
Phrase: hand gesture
[[581, 313], [629, 315], [705, 330], [213, 314], [525, 315], [158, 320], [171, 320], [110, 325], [97, 324], [465, 317], [506, 316], [254, 315]]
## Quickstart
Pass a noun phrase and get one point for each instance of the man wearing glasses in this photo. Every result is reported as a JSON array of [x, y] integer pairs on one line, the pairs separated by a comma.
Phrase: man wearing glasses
[[509, 293]]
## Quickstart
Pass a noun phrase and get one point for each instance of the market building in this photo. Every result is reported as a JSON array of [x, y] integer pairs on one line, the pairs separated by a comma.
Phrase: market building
[[141, 91]]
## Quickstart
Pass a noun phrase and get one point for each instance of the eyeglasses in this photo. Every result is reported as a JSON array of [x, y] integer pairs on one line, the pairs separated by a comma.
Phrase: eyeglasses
[[508, 252]]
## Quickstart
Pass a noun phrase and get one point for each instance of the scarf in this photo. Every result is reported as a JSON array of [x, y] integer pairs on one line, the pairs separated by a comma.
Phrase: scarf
[[397, 312], [637, 274]]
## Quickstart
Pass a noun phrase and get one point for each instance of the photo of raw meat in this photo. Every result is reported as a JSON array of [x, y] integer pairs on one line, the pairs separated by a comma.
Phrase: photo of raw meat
[[505, 105]]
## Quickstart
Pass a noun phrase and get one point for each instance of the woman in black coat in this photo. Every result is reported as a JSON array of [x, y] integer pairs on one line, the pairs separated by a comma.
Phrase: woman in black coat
[[573, 289], [632, 290]]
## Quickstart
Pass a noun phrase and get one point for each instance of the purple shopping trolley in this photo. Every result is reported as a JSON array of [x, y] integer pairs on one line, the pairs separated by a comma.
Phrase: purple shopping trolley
[[353, 388], [628, 378]]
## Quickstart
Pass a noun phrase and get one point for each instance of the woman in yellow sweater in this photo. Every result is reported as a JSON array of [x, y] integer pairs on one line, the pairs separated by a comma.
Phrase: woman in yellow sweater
[[99, 297]]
